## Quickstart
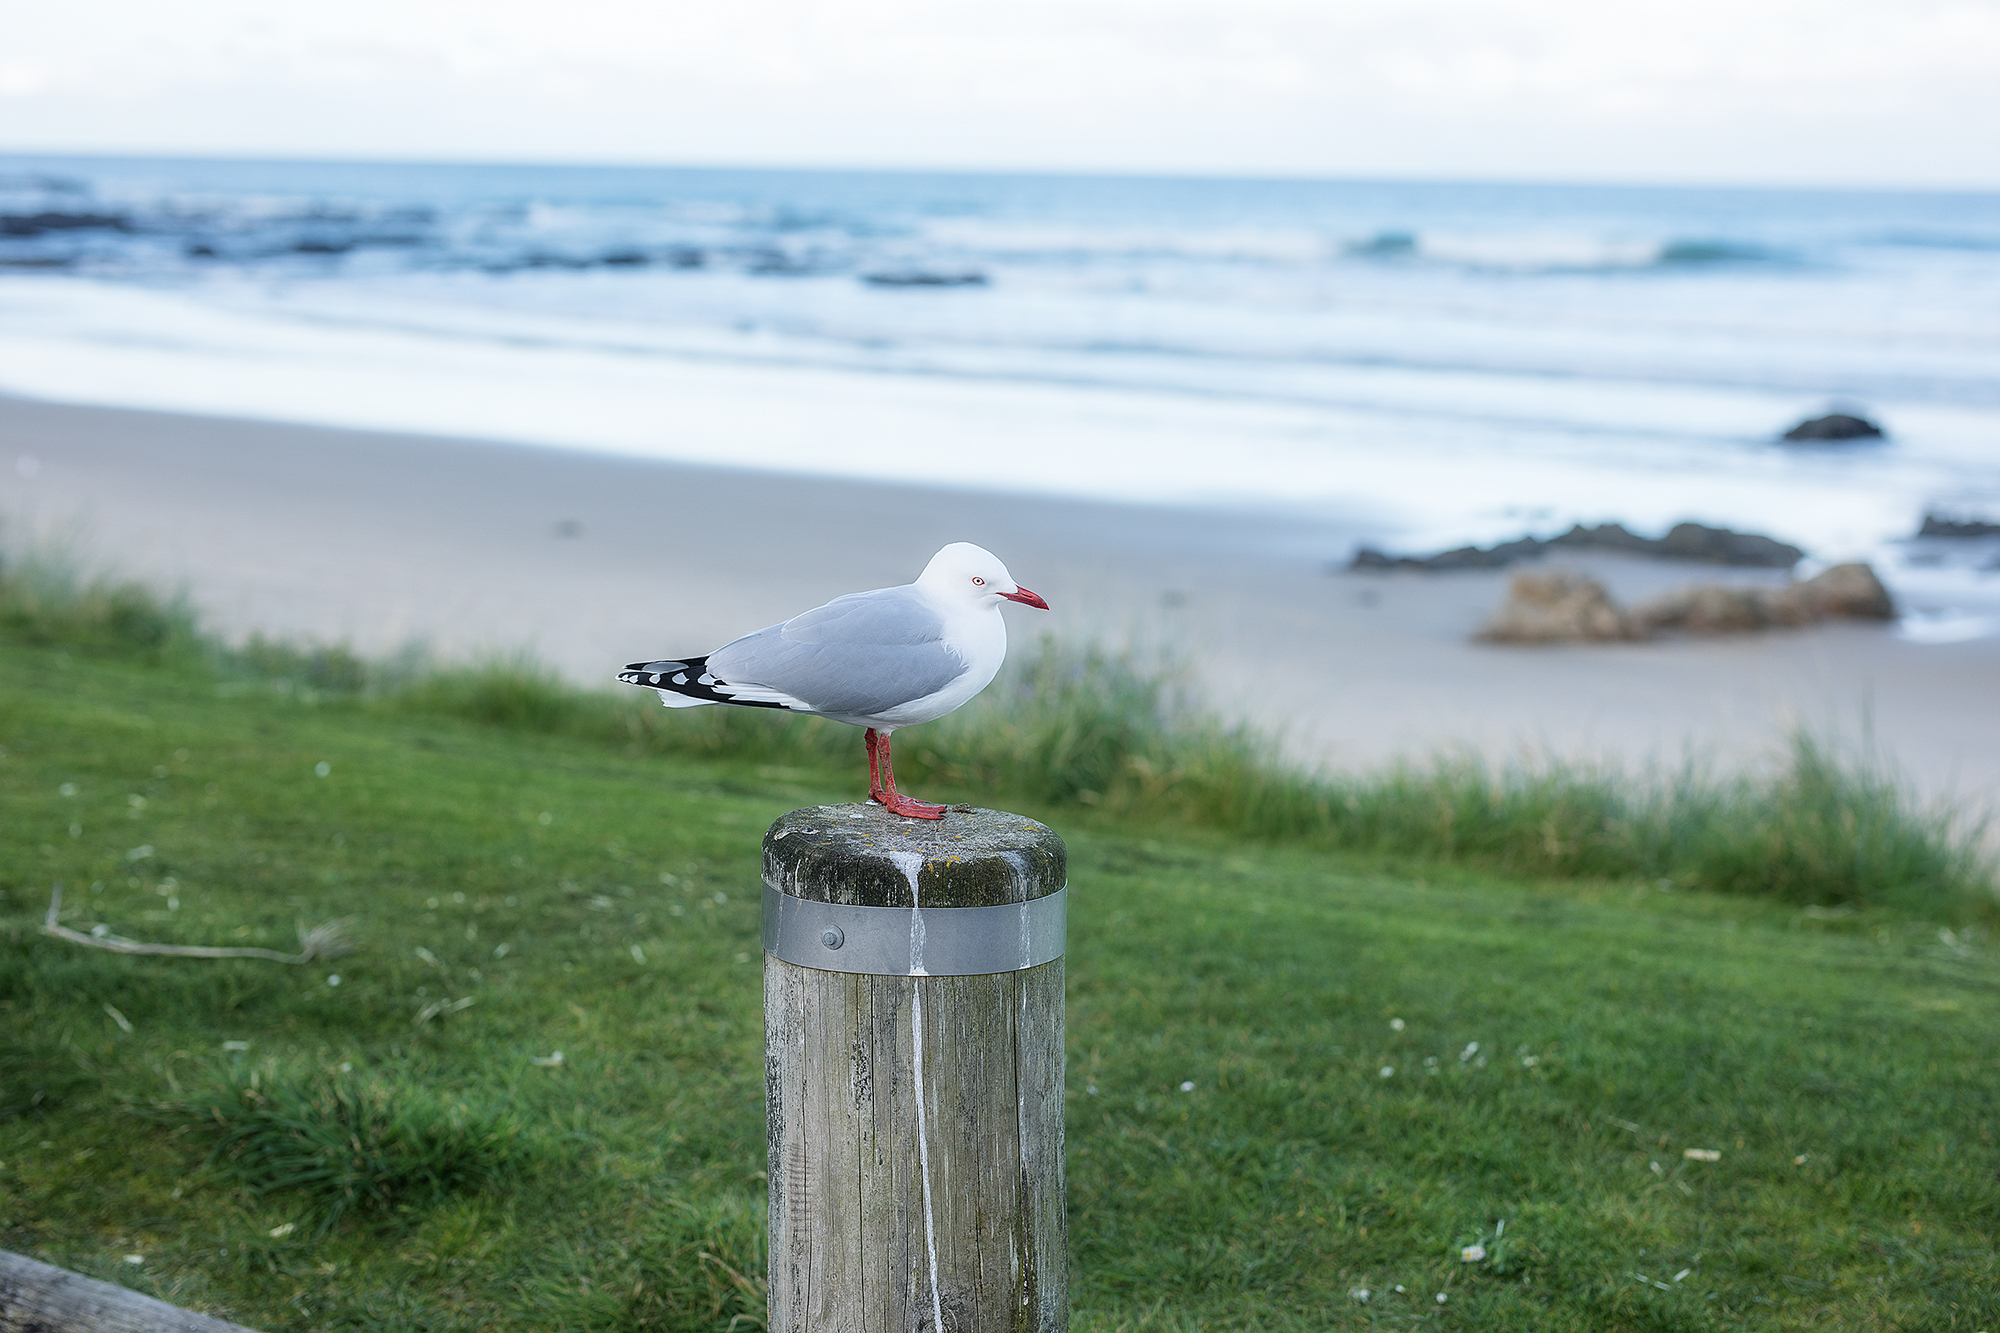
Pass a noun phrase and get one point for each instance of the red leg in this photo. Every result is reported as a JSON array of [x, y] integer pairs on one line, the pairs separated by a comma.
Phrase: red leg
[[896, 802], [870, 740]]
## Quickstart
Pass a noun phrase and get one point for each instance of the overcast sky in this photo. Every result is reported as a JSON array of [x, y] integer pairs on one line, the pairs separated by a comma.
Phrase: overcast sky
[[1784, 91]]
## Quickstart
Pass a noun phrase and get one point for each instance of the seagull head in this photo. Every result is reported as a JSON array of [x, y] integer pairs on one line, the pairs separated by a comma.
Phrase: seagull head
[[968, 573]]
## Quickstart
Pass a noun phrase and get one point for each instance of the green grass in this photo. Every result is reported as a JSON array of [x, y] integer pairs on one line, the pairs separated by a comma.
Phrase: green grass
[[377, 1155], [1574, 977], [1829, 825], [342, 1142], [1826, 825]]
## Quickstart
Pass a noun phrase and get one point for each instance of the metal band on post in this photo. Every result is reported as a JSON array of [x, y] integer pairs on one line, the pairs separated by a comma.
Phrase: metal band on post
[[915, 941]]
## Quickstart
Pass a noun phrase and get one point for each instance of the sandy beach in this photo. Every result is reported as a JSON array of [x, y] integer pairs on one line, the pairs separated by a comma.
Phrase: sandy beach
[[589, 561]]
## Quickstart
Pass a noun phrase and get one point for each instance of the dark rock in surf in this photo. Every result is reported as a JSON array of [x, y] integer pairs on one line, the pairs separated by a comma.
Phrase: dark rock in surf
[[1462, 557], [1685, 541], [1936, 526], [1617, 537], [1721, 546], [1834, 428], [923, 278], [40, 224]]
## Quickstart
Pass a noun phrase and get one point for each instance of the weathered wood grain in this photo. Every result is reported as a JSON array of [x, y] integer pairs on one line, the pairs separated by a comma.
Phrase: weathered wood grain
[[915, 1123], [40, 1298]]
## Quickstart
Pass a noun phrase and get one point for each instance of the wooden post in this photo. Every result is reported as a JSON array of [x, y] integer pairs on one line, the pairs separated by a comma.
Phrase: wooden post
[[40, 1298], [913, 1029]]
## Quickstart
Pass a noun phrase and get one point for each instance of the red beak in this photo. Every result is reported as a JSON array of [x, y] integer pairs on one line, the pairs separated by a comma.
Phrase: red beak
[[1026, 598]]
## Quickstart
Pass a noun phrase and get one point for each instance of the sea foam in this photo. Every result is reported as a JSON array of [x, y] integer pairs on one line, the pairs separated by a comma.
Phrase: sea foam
[[1459, 361]]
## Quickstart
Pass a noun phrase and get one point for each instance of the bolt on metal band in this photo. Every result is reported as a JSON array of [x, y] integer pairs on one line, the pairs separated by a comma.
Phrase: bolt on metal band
[[916, 941]]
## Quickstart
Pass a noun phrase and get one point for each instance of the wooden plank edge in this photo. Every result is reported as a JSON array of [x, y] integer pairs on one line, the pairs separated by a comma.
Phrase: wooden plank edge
[[40, 1298]]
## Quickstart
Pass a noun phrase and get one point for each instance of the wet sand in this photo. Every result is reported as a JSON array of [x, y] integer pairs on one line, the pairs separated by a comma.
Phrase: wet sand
[[589, 561]]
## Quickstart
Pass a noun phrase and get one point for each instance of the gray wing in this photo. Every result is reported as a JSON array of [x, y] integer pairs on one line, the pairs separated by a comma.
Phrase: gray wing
[[858, 655]]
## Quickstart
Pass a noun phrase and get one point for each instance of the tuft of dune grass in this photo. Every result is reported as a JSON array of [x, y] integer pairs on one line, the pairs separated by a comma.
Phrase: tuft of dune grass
[[1085, 726], [49, 596], [514, 691], [343, 1144], [1825, 826]]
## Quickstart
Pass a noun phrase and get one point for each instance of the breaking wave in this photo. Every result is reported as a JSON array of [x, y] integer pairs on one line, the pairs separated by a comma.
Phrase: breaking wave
[[1556, 253], [125, 223]]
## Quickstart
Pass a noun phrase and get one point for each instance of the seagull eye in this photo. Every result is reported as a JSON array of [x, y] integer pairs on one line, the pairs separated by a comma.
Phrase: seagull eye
[[978, 582]]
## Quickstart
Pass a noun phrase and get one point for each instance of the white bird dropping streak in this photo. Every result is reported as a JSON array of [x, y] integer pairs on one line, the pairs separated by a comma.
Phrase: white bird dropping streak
[[1021, 869], [911, 863], [924, 1149]]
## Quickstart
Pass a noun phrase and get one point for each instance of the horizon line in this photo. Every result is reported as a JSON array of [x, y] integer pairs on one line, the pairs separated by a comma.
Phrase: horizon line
[[1302, 176]]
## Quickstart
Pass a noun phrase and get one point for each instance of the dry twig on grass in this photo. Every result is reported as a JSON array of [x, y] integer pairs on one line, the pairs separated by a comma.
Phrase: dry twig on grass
[[326, 940]]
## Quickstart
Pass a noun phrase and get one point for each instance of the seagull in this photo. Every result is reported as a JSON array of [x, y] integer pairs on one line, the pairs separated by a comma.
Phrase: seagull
[[878, 660]]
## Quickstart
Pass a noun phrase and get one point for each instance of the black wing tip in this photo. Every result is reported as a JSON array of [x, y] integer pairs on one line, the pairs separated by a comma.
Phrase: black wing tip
[[661, 676], [655, 674], [659, 680]]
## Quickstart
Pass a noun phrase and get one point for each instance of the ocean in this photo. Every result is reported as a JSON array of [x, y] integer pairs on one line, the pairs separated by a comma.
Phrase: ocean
[[1433, 363]]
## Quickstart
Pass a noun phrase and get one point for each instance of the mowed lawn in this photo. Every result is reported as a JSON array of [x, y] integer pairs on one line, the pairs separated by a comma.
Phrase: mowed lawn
[[1649, 1109]]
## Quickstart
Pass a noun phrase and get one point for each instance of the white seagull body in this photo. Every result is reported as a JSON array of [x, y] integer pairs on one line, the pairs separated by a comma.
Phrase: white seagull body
[[881, 660]]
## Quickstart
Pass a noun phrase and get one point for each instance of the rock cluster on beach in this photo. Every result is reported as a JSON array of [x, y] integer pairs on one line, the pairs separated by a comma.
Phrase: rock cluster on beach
[[1564, 606], [1684, 541], [1561, 606]]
